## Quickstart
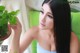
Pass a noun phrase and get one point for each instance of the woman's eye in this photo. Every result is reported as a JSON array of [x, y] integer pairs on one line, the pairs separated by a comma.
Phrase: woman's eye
[[50, 16], [42, 12]]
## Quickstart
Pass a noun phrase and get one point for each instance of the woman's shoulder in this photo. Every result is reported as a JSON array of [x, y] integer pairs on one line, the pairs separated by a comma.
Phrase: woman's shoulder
[[34, 29], [74, 36], [74, 46]]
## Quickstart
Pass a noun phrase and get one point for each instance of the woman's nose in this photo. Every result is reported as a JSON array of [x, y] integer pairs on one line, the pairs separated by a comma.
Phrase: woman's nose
[[43, 18]]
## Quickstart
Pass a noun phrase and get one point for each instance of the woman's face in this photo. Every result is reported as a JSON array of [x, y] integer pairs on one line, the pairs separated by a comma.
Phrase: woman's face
[[46, 18]]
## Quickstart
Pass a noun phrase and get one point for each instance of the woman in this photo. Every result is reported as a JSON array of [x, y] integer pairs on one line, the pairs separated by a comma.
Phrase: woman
[[53, 33]]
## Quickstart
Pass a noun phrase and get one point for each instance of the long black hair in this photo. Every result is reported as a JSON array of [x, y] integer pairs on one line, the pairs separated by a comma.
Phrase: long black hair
[[62, 24]]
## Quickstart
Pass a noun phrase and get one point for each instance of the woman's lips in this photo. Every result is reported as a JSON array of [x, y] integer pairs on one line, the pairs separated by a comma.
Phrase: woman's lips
[[42, 24]]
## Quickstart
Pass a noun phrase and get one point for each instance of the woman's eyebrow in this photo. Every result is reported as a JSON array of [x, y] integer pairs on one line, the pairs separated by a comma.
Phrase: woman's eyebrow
[[49, 13]]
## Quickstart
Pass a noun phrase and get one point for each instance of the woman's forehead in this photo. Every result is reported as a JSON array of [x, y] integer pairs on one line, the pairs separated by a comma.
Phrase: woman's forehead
[[46, 8]]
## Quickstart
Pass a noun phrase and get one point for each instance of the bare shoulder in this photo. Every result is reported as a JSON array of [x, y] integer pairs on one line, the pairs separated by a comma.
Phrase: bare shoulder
[[33, 32], [74, 45], [74, 36]]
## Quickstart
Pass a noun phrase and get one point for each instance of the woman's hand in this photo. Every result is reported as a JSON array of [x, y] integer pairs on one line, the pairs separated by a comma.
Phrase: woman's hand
[[17, 28]]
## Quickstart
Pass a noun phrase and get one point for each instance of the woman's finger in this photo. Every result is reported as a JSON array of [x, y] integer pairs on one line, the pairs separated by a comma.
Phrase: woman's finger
[[9, 29]]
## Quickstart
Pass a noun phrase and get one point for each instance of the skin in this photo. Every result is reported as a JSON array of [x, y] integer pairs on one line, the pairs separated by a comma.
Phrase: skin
[[43, 30]]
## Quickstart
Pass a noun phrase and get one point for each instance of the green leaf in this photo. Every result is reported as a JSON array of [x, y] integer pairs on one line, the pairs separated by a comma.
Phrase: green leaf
[[6, 17], [1, 14], [3, 21], [2, 8], [12, 20], [5, 14], [14, 12], [4, 30]]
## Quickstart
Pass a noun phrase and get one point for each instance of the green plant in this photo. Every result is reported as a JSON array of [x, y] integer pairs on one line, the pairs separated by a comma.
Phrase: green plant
[[6, 17]]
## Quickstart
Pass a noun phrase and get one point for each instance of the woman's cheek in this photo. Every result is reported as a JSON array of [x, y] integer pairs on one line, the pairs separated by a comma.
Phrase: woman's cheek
[[50, 24]]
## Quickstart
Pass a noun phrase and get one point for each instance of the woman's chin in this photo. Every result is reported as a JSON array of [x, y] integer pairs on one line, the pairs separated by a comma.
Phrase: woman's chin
[[42, 27]]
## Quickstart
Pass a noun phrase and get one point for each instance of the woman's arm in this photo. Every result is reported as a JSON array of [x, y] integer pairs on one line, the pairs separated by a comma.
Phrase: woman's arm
[[14, 45], [74, 47], [18, 46], [27, 39]]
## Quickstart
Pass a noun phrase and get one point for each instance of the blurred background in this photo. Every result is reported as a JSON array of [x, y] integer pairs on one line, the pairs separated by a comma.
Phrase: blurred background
[[29, 16]]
